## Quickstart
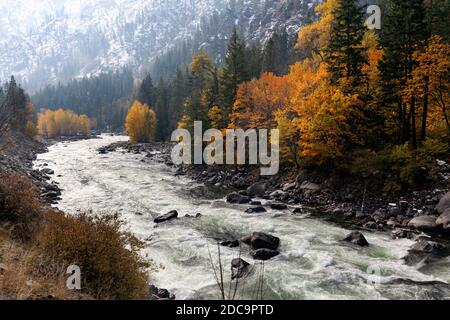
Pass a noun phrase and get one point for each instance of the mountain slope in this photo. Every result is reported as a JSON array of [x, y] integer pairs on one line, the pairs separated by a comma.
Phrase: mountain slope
[[57, 40]]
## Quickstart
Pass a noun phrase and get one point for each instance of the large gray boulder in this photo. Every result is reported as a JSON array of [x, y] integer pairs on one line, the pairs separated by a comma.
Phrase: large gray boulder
[[424, 223], [257, 190], [444, 204], [443, 221], [261, 240]]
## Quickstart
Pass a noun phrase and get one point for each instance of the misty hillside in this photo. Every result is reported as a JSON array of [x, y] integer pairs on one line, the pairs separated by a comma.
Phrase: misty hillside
[[52, 41]]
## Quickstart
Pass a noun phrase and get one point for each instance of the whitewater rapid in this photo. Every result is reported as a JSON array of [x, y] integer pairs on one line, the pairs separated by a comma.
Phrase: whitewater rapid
[[312, 265]]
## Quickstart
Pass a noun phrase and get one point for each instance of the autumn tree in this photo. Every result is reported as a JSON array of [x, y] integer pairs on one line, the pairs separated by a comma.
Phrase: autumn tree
[[430, 83], [61, 122], [314, 37], [258, 100], [140, 123]]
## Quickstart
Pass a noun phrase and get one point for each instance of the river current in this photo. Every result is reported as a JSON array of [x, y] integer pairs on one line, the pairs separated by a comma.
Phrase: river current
[[313, 264]]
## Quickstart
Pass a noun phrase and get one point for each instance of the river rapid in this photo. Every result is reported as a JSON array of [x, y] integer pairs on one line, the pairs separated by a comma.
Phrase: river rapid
[[312, 265]]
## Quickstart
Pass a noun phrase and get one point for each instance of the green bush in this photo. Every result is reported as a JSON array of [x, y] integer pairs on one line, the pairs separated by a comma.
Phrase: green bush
[[398, 169]]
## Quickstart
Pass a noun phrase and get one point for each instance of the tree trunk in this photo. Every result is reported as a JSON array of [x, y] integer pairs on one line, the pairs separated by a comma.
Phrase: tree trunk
[[423, 133], [413, 124]]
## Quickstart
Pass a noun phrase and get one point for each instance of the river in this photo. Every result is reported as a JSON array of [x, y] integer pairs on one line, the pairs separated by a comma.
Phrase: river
[[312, 265]]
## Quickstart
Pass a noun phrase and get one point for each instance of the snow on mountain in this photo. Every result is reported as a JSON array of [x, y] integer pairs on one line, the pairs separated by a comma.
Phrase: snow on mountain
[[46, 41]]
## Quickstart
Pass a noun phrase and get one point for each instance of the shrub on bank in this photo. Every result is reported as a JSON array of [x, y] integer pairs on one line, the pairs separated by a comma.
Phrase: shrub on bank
[[20, 206], [111, 267], [400, 168]]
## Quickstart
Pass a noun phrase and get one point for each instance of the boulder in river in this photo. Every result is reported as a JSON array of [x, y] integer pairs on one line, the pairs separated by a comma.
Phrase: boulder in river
[[255, 203], [160, 294], [167, 217], [357, 238], [424, 252], [237, 198], [239, 268], [424, 246], [258, 209], [261, 240], [444, 203], [264, 254], [257, 190], [424, 223], [278, 206]]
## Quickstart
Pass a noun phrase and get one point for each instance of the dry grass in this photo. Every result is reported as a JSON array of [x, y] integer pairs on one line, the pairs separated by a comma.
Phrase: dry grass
[[21, 278]]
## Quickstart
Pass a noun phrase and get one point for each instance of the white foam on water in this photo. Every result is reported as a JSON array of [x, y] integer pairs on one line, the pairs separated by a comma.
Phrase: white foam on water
[[312, 265]]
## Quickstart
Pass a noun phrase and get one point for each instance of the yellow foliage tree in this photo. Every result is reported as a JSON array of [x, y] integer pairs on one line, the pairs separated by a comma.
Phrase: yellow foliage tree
[[321, 121], [61, 122], [140, 123], [314, 37]]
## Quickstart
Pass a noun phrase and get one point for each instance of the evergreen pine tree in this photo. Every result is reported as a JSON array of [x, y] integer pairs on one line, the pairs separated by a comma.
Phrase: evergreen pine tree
[[147, 91], [235, 71], [404, 30], [345, 53]]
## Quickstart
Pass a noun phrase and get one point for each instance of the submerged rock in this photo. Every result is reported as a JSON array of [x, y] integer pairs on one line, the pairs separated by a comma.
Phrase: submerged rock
[[278, 206], [167, 217], [256, 210], [357, 238], [264, 254], [230, 243]]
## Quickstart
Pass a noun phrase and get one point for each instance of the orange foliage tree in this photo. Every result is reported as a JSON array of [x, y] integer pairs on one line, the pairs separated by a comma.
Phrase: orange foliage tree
[[258, 100], [430, 84]]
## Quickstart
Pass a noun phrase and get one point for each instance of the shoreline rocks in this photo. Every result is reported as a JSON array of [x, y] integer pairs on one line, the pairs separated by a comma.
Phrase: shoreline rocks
[[424, 223]]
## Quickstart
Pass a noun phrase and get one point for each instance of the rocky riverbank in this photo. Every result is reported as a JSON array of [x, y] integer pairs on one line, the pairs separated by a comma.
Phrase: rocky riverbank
[[422, 215], [17, 154]]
